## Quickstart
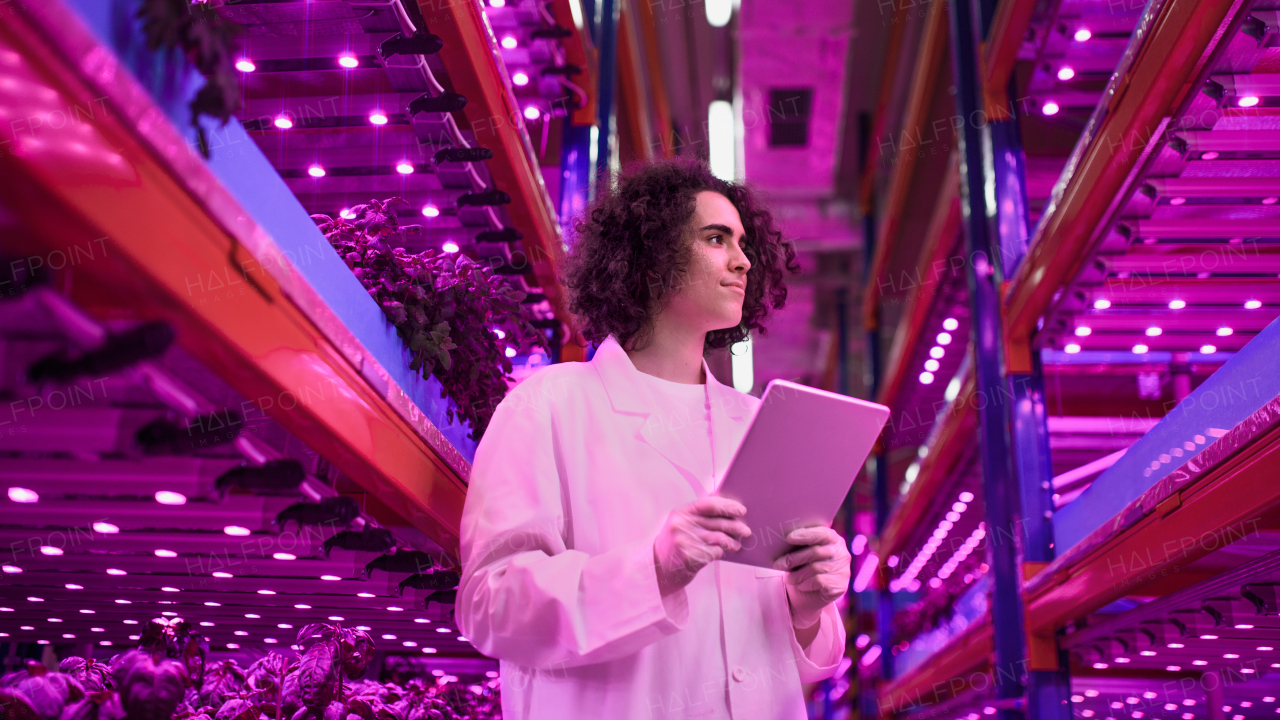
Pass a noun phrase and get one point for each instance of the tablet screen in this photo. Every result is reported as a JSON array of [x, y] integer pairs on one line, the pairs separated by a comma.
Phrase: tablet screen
[[796, 464]]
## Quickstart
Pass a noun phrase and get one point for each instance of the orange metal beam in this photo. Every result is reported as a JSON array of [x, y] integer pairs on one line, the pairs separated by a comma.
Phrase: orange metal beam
[[474, 63], [579, 51], [933, 48], [98, 182], [647, 31], [1159, 79], [963, 665], [634, 126], [955, 434], [1204, 516], [893, 48], [940, 239], [1000, 53]]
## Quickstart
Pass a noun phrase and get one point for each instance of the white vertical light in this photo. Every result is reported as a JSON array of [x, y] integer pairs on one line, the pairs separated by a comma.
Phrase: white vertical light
[[744, 376], [719, 12], [720, 139], [575, 8]]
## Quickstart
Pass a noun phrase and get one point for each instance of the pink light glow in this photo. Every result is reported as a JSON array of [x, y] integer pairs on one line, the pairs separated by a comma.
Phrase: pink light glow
[[1210, 155], [1066, 73], [926, 378], [245, 65], [1083, 35], [168, 497], [315, 171], [520, 79], [23, 495], [449, 247], [532, 113], [348, 61], [283, 122], [1071, 348], [1248, 101], [377, 118], [509, 42], [430, 211], [404, 167], [1050, 108]]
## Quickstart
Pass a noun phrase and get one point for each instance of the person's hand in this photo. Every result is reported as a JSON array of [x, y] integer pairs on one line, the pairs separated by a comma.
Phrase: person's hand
[[693, 536], [817, 574]]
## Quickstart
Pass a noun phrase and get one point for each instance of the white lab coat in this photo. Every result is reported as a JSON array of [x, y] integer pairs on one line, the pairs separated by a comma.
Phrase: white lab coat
[[569, 489]]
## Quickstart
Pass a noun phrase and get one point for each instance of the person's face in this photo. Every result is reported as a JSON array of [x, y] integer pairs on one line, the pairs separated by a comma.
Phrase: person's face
[[709, 296]]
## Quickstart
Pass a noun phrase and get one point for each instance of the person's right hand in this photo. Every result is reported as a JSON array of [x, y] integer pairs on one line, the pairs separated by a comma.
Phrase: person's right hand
[[693, 536]]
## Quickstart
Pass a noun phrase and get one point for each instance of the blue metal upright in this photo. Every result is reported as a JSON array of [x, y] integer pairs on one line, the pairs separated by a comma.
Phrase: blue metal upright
[[1048, 690], [607, 42], [999, 488], [575, 174], [880, 463]]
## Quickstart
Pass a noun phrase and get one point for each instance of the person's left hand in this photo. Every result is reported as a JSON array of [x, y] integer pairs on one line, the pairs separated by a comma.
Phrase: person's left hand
[[817, 574]]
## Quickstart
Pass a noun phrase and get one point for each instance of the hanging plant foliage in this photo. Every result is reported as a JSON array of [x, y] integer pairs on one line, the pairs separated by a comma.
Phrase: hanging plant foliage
[[446, 308], [208, 42]]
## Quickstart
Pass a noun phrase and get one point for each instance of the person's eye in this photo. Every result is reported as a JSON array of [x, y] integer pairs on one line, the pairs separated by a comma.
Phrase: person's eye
[[717, 238]]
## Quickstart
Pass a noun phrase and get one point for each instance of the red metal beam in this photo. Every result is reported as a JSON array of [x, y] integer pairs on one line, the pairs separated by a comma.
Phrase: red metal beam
[[933, 48], [940, 241], [121, 182], [474, 62], [1000, 53], [579, 51], [963, 665], [955, 435], [1185, 525]]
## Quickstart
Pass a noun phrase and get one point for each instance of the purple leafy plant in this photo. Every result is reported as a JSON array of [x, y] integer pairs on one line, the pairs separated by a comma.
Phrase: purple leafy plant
[[446, 308]]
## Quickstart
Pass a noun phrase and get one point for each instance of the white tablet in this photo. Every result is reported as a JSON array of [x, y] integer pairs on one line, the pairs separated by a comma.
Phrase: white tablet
[[796, 464]]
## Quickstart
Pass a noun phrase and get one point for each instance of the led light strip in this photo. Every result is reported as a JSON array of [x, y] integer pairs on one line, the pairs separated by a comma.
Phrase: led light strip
[[908, 579]]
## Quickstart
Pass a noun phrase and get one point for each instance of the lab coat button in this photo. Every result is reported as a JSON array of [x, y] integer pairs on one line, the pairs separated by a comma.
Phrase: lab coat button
[[739, 674]]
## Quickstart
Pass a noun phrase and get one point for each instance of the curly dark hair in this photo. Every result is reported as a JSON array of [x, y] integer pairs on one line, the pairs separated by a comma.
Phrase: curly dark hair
[[637, 233]]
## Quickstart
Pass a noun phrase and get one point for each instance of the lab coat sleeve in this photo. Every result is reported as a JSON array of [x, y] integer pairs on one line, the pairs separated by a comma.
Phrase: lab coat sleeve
[[524, 596], [823, 656]]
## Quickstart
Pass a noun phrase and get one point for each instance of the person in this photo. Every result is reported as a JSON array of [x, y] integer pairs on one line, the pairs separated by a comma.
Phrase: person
[[591, 533]]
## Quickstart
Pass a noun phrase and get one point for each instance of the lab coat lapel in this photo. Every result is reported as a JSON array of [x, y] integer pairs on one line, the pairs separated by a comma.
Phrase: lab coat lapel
[[731, 414], [630, 395]]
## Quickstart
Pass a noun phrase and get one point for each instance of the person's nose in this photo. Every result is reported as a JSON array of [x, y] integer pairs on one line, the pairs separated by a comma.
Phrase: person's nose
[[738, 261]]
